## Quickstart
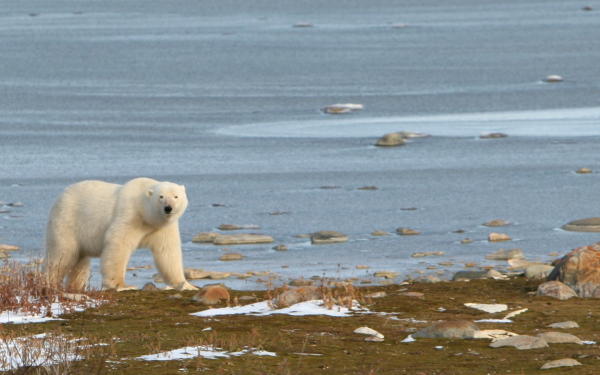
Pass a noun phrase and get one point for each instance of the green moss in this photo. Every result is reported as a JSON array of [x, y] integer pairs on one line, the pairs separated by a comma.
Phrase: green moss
[[148, 322]]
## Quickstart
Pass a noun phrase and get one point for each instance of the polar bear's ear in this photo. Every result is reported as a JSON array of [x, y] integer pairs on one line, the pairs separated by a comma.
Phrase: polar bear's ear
[[149, 193]]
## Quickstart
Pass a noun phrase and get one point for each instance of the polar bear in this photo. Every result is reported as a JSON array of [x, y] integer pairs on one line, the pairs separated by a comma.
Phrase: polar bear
[[110, 221]]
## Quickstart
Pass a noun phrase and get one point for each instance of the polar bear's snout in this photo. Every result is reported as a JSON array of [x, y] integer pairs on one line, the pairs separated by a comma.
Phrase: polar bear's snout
[[168, 209]]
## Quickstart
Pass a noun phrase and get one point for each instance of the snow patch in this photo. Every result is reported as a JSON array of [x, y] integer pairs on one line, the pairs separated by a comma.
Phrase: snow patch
[[203, 351]]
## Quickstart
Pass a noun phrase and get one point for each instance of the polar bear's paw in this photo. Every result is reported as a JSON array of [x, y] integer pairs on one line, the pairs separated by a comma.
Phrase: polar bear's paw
[[186, 286], [125, 288]]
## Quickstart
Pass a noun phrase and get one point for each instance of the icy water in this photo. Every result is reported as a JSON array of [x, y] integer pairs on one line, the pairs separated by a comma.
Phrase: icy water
[[225, 97]]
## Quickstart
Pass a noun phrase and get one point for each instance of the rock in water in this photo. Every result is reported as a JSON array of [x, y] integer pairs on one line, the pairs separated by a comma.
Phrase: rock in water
[[553, 78], [242, 239], [565, 362], [580, 270], [583, 171], [407, 232], [496, 223], [231, 256], [205, 237], [452, 329], [493, 136], [497, 237], [391, 140], [336, 109], [506, 254], [591, 224], [556, 289], [327, 237]]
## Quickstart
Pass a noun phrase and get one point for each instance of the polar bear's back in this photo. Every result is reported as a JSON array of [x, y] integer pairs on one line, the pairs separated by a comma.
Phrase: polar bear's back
[[83, 213]]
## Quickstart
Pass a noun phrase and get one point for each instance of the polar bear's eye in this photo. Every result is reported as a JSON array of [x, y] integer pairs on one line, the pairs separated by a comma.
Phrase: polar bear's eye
[[175, 197], [161, 197]]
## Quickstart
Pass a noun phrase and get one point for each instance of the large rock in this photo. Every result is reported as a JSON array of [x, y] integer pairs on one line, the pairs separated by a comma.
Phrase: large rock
[[452, 329], [242, 239], [521, 342], [556, 289], [327, 237], [580, 270], [391, 140], [591, 224]]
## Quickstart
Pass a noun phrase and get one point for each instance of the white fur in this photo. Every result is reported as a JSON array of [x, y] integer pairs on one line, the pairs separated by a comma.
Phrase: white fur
[[110, 221]]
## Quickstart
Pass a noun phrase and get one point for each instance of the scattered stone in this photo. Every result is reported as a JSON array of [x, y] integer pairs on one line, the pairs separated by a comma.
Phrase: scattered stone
[[237, 227], [390, 140], [135, 268], [212, 295], [362, 267], [368, 331], [218, 205], [521, 264], [231, 256], [205, 237], [75, 297], [493, 136], [413, 294], [280, 247], [428, 279], [386, 274], [407, 232], [580, 270], [465, 241], [488, 307], [565, 362], [336, 109], [496, 223], [556, 289], [560, 338], [459, 231], [368, 188], [468, 275], [564, 325], [303, 24], [591, 224], [242, 239], [296, 295], [301, 282], [6, 247], [453, 329], [493, 274], [196, 274], [538, 271], [553, 78], [446, 264], [493, 334], [506, 254], [302, 235], [470, 264], [497, 237], [149, 287], [376, 295], [379, 233], [583, 171], [420, 254], [327, 237], [521, 342]]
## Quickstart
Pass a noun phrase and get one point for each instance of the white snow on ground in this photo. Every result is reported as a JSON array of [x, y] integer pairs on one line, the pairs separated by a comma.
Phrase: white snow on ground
[[38, 350], [56, 309], [314, 307], [204, 351]]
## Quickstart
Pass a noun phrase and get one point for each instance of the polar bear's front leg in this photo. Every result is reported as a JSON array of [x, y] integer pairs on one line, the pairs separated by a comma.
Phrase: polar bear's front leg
[[166, 249], [119, 245]]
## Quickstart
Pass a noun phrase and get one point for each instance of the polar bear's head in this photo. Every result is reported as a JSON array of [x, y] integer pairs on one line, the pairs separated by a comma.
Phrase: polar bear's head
[[167, 200]]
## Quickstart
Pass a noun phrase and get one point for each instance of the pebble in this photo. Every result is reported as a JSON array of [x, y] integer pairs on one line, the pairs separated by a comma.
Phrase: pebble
[[195, 274], [465, 241], [362, 267], [587, 8], [407, 231], [16, 204], [303, 24], [583, 171], [538, 271], [506, 254], [493, 136], [280, 247], [336, 109], [496, 223], [231, 256], [564, 325], [565, 362], [327, 237], [521, 342], [428, 279], [420, 254], [496, 237], [391, 140]]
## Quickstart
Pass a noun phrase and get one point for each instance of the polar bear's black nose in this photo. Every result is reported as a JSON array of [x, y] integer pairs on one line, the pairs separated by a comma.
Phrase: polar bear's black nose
[[168, 209]]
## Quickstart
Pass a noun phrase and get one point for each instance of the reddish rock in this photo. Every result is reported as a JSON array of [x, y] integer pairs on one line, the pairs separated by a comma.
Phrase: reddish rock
[[580, 270], [212, 295]]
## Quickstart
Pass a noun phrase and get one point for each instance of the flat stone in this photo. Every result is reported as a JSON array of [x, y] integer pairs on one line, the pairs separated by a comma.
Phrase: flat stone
[[560, 338], [407, 231], [427, 279], [565, 362], [493, 135], [237, 227], [242, 239], [453, 329], [16, 204], [497, 237], [494, 334], [212, 295], [301, 282], [362, 267], [506, 254], [327, 237], [231, 256], [368, 331], [553, 78], [391, 140], [413, 294], [196, 274], [376, 295], [583, 171], [564, 325], [374, 339], [420, 254], [521, 342], [379, 233], [303, 25], [591, 224], [496, 223], [556, 289], [370, 187], [205, 237], [6, 247], [280, 247], [488, 307], [465, 241], [469, 275], [336, 109], [386, 274]]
